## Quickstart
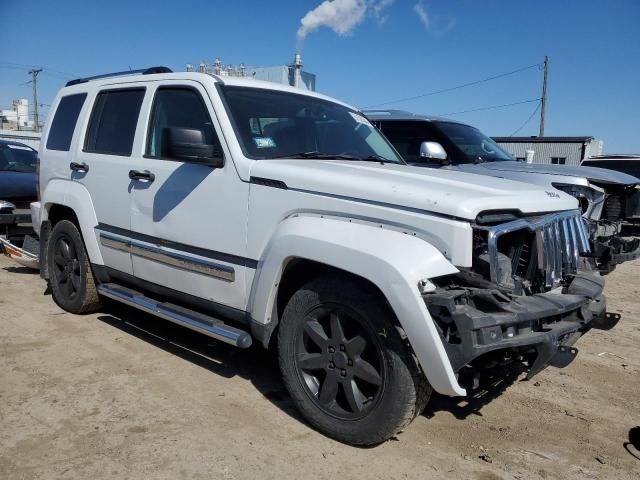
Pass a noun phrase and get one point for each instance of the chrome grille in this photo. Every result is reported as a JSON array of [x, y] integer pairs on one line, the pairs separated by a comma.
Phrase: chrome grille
[[560, 240]]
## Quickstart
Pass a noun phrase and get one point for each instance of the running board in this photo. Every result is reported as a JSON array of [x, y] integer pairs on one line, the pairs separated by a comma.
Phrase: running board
[[196, 321]]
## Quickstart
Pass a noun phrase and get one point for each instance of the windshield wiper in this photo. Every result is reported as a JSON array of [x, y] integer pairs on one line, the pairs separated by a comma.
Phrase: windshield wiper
[[310, 154], [334, 156]]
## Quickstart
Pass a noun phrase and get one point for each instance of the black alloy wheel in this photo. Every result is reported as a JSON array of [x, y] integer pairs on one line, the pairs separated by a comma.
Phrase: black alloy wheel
[[71, 279], [345, 363], [339, 362], [66, 262]]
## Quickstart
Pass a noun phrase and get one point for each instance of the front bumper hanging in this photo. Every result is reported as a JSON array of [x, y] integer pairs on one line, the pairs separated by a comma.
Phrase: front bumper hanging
[[612, 251], [474, 322], [27, 256]]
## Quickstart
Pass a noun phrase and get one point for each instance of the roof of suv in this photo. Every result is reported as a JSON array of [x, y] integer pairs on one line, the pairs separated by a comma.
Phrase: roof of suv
[[162, 73], [15, 144], [615, 156], [404, 115]]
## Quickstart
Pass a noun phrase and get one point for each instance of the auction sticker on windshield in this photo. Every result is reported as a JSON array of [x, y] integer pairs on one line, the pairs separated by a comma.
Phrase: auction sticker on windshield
[[264, 142]]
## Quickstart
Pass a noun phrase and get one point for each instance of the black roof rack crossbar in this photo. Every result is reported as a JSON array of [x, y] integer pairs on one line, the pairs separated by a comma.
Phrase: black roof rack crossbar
[[143, 71]]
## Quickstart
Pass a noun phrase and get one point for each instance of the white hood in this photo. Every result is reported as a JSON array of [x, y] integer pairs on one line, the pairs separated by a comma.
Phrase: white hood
[[456, 194]]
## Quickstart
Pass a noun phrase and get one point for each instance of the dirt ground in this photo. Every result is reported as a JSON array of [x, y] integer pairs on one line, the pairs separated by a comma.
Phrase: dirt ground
[[120, 394]]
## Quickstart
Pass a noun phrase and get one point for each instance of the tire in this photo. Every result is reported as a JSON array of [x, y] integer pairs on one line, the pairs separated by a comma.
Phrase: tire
[[71, 280], [345, 363]]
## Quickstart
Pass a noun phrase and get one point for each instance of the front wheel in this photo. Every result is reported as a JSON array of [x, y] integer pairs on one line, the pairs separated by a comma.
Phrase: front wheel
[[345, 364]]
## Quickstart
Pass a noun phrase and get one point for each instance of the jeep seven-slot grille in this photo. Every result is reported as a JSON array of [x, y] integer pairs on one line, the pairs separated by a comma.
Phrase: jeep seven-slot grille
[[560, 238]]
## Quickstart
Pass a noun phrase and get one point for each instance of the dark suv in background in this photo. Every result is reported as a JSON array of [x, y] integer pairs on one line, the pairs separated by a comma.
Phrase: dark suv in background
[[608, 199], [17, 189], [629, 164]]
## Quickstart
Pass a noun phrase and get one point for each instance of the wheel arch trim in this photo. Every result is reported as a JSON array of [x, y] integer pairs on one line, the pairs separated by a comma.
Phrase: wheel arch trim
[[76, 197], [393, 261]]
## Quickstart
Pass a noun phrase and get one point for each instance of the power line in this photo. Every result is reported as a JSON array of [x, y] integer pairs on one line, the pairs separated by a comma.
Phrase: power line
[[490, 107], [457, 87], [11, 68], [527, 120], [23, 66]]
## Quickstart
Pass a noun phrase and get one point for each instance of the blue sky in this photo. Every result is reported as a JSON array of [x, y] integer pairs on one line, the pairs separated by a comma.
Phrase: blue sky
[[371, 51]]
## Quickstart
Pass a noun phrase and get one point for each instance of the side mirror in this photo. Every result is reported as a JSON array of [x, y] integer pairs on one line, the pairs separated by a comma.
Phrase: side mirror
[[189, 144], [432, 151]]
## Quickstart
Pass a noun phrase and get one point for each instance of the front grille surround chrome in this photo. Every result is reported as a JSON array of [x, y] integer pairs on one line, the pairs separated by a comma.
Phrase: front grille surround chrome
[[561, 238]]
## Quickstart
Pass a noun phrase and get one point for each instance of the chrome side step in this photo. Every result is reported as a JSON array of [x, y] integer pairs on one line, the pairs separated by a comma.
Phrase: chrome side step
[[196, 321]]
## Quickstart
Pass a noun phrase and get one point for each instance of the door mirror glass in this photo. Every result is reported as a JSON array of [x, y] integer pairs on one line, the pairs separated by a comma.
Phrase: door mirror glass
[[432, 151], [189, 144]]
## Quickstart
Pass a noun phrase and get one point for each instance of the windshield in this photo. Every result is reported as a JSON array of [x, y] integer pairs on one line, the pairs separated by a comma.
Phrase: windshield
[[273, 124], [473, 146], [17, 158]]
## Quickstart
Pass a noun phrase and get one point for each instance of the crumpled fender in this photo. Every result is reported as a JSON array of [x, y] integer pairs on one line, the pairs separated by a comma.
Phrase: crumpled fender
[[394, 261], [75, 196]]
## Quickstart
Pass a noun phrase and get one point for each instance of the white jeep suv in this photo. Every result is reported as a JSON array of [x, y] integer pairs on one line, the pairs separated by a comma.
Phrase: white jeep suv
[[254, 212]]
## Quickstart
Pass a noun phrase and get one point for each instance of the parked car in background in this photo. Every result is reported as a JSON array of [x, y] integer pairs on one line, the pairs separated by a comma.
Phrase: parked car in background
[[608, 199], [17, 190], [629, 164], [250, 211]]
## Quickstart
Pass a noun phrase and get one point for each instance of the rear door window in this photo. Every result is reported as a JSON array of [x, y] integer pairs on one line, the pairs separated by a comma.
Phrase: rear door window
[[112, 126], [64, 122]]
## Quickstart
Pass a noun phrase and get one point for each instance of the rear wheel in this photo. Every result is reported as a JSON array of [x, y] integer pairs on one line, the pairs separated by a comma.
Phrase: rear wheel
[[345, 364], [70, 277]]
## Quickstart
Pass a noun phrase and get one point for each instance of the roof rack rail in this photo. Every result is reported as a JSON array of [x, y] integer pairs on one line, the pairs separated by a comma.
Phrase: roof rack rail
[[143, 71]]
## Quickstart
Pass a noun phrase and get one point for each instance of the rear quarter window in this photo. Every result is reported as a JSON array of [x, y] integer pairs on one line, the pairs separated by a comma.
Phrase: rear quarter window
[[64, 122]]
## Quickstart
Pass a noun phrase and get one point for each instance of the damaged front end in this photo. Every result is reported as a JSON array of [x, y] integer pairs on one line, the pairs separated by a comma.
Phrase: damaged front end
[[611, 212], [528, 297]]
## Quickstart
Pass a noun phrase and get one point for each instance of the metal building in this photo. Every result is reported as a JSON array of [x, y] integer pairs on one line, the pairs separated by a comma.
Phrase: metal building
[[554, 150], [286, 74], [18, 117]]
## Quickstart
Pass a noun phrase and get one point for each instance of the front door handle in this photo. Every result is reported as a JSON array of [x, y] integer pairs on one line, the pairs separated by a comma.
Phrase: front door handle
[[147, 176], [79, 167]]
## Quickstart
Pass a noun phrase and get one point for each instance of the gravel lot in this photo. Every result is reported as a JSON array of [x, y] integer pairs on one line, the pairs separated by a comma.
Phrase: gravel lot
[[120, 394]]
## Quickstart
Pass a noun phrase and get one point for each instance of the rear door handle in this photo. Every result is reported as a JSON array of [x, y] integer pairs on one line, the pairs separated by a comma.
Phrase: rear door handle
[[79, 167], [147, 176]]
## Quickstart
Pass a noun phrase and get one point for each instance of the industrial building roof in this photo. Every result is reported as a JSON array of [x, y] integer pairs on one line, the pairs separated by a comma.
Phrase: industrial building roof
[[543, 139]]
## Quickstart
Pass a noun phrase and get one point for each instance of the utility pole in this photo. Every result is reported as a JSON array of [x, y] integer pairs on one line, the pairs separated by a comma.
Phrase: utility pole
[[543, 105], [34, 78]]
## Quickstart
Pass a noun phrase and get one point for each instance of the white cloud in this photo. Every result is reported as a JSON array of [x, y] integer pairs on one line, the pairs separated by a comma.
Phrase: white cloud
[[435, 24], [378, 7], [422, 13], [341, 16]]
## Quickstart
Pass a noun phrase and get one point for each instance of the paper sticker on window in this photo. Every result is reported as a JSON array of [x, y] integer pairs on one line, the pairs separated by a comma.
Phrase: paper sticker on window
[[359, 118], [264, 142]]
